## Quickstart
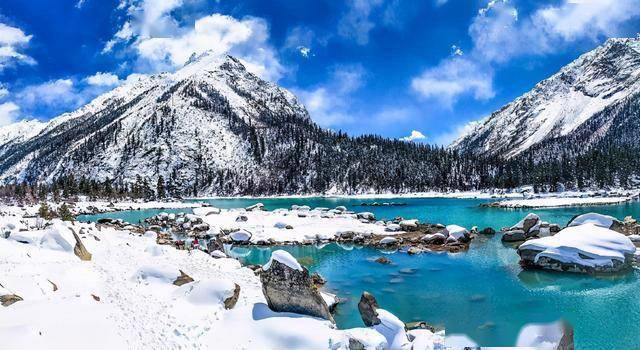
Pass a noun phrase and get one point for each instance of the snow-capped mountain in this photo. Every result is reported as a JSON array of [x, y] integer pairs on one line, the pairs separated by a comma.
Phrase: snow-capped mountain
[[20, 131], [587, 97], [212, 127]]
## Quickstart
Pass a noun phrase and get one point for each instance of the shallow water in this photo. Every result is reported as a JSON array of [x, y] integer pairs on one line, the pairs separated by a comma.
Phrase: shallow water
[[131, 216], [482, 293]]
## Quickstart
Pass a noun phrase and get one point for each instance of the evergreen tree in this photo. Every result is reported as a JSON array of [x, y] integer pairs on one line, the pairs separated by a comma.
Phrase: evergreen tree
[[64, 213]]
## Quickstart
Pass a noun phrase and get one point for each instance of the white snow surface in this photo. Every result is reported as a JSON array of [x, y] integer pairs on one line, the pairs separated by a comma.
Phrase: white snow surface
[[599, 244], [540, 336], [552, 202], [593, 218], [307, 225], [283, 257], [138, 306]]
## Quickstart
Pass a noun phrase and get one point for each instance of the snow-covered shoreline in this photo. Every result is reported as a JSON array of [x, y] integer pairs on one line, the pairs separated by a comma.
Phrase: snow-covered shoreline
[[559, 202]]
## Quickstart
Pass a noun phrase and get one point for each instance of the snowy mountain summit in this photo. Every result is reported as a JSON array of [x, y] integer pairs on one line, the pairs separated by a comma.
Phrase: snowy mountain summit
[[589, 101], [212, 127]]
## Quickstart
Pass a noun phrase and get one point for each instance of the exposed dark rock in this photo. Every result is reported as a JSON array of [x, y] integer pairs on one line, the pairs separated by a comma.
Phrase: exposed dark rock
[[79, 250], [290, 290], [9, 299], [367, 307], [488, 231], [182, 279], [566, 342], [514, 236], [231, 301], [383, 260]]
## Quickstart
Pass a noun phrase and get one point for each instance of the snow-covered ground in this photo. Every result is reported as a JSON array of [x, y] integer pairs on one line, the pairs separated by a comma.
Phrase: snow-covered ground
[[124, 298], [284, 225], [86, 207], [553, 202]]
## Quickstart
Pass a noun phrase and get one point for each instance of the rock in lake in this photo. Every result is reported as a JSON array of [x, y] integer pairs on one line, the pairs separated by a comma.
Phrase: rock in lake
[[600, 220], [526, 228], [368, 307], [287, 287], [587, 248]]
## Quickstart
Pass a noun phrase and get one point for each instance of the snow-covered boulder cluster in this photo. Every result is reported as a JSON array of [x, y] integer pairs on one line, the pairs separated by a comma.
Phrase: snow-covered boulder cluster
[[587, 245], [134, 293], [529, 227]]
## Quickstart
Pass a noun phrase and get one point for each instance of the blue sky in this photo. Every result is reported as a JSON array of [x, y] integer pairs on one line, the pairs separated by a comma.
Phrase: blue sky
[[392, 67]]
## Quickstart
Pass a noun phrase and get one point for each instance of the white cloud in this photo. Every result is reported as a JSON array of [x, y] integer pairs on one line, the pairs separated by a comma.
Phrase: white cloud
[[8, 113], [3, 91], [304, 51], [414, 136], [447, 137], [452, 78], [103, 79], [456, 51], [162, 42], [54, 93], [328, 104], [80, 4], [499, 33], [356, 22], [12, 41]]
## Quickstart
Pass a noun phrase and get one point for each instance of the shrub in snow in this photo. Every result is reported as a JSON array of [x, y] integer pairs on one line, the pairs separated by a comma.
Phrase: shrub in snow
[[587, 248]]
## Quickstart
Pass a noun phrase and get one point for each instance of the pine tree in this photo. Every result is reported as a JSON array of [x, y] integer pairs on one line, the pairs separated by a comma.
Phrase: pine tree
[[64, 213], [160, 188], [44, 211]]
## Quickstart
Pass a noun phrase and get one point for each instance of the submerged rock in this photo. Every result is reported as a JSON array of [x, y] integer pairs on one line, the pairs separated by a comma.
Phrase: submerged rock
[[383, 260], [487, 231], [287, 287]]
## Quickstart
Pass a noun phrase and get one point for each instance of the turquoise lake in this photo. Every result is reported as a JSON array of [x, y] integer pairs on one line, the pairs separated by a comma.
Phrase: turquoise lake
[[482, 293]]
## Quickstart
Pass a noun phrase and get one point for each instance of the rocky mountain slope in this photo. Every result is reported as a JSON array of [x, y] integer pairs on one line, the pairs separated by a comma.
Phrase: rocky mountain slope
[[212, 127], [590, 103]]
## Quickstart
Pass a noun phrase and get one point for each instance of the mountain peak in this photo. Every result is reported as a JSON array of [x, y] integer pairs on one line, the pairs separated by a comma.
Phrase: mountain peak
[[557, 106]]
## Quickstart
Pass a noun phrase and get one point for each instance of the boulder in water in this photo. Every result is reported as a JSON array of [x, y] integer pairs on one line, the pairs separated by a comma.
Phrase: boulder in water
[[287, 287], [368, 307]]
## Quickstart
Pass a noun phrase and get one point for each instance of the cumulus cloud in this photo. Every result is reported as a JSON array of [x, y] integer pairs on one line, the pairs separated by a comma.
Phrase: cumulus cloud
[[12, 41], [453, 78], [414, 136], [103, 79], [328, 104], [162, 42], [499, 33], [8, 113]]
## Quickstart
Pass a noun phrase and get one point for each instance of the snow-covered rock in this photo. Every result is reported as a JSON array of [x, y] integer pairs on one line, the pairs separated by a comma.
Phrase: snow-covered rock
[[240, 236], [587, 248], [600, 220], [546, 336]]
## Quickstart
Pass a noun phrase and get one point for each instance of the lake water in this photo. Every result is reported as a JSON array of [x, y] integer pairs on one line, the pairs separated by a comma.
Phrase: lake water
[[482, 293]]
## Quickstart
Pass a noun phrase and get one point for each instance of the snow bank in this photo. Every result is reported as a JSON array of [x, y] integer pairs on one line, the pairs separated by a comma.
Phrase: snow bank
[[456, 231], [204, 292], [586, 245], [305, 225], [124, 298], [551, 202], [600, 220], [392, 328], [283, 257], [541, 336]]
